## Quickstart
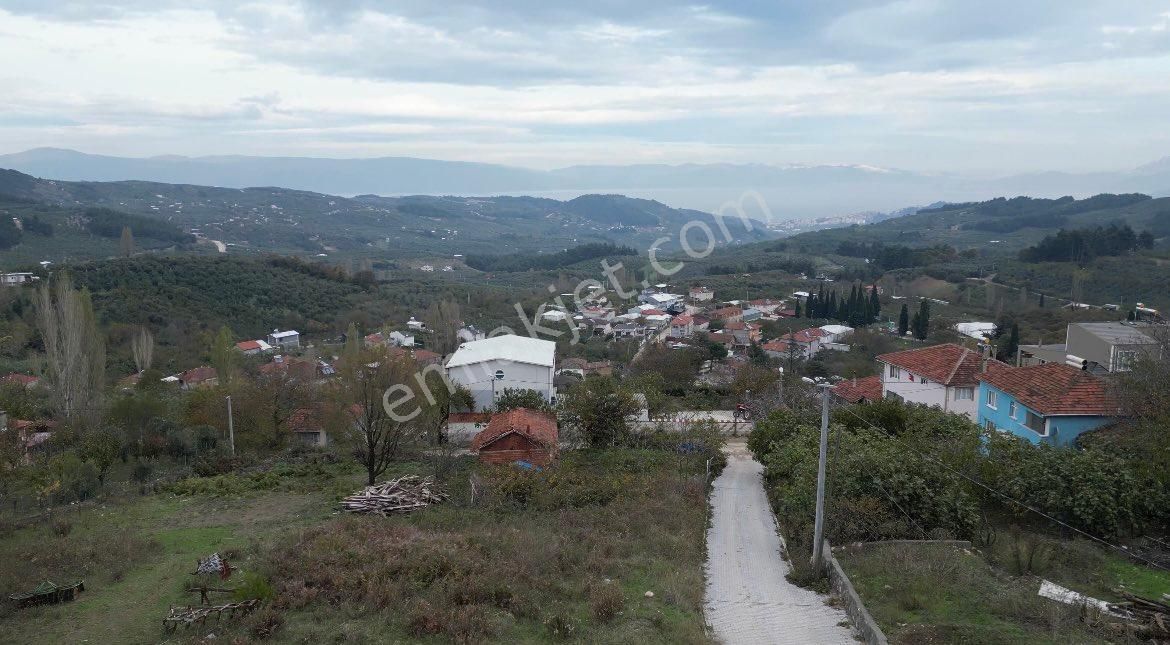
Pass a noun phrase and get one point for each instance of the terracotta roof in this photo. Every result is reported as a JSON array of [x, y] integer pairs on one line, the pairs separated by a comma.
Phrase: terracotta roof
[[469, 417], [652, 312], [863, 389], [726, 312], [786, 313], [247, 345], [305, 420], [1055, 389], [805, 335], [948, 364], [537, 426], [425, 355], [197, 375], [682, 320], [23, 379], [775, 346]]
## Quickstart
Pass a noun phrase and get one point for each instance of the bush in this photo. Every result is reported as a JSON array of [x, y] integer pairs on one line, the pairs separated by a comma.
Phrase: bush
[[254, 587], [606, 602], [264, 622], [141, 472]]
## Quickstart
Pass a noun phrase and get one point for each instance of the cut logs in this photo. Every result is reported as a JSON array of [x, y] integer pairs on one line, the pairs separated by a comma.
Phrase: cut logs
[[402, 495]]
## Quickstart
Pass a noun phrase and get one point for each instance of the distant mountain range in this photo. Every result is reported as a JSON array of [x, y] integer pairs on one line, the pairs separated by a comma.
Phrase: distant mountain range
[[790, 192], [377, 228]]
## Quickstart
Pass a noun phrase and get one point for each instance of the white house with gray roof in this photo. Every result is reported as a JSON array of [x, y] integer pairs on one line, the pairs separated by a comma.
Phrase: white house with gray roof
[[490, 366]]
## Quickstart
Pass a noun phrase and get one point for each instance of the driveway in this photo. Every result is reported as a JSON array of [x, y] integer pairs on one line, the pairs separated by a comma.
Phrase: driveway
[[748, 598]]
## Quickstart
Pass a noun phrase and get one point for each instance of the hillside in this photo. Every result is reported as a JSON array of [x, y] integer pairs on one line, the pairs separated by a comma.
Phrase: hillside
[[368, 227], [979, 241], [792, 191]]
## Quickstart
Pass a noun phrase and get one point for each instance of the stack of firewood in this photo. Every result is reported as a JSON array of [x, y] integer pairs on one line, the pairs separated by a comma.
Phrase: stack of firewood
[[403, 495], [1151, 617]]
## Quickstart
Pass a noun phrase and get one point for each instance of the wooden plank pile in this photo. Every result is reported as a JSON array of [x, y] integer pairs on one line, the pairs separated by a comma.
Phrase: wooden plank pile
[[188, 616], [402, 495], [1151, 617]]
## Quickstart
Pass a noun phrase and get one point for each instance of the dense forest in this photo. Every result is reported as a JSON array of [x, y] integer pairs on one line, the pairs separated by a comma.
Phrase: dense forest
[[1082, 245], [109, 223], [511, 263], [897, 256]]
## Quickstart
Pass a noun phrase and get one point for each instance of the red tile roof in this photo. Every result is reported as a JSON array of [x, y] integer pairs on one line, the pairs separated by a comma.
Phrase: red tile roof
[[948, 364], [862, 389], [469, 417], [806, 335], [726, 312], [1055, 389], [197, 375], [653, 312], [247, 345], [682, 320], [538, 426], [22, 379], [775, 346]]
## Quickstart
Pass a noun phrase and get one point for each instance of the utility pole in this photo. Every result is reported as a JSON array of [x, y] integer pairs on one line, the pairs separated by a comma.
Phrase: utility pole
[[231, 427], [819, 523]]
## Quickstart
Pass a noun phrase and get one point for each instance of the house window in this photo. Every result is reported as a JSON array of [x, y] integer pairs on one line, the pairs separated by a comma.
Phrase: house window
[[922, 380], [964, 394], [989, 425], [499, 375], [991, 399], [1035, 422], [1123, 361], [1012, 409], [895, 372]]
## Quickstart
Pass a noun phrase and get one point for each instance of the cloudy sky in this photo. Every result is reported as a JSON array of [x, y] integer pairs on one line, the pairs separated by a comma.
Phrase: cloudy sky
[[994, 86]]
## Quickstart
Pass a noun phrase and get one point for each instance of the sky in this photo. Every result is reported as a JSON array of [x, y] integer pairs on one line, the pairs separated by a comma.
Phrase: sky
[[990, 87]]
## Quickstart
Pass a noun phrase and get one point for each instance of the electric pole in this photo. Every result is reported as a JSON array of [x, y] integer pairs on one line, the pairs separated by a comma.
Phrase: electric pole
[[819, 523], [231, 428]]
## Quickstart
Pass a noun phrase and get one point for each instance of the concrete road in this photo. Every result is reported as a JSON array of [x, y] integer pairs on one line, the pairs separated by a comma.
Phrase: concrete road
[[748, 599]]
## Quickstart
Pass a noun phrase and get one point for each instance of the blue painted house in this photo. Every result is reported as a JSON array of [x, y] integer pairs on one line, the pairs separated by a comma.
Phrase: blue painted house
[[1050, 403]]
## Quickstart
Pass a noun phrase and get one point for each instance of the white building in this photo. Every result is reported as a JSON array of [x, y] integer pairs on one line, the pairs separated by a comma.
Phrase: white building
[[284, 339], [14, 279], [943, 376], [488, 367], [415, 325], [468, 333], [400, 339], [979, 331]]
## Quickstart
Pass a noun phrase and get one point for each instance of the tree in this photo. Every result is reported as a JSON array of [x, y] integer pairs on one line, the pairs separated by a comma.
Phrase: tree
[[512, 398], [598, 409], [142, 347], [904, 320], [126, 245], [875, 303], [443, 320], [353, 341], [224, 357], [74, 348], [377, 397], [101, 449], [798, 313], [921, 323], [1041, 301], [1007, 350]]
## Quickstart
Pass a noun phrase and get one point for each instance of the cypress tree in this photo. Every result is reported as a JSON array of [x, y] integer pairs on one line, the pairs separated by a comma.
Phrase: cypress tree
[[798, 308], [1041, 301], [904, 320], [875, 303]]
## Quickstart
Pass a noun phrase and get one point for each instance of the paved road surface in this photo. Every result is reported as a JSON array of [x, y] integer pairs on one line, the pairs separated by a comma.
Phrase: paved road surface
[[748, 599]]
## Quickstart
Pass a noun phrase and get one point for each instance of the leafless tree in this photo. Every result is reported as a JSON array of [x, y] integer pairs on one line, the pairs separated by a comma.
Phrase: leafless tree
[[379, 399], [126, 244], [74, 349], [142, 347]]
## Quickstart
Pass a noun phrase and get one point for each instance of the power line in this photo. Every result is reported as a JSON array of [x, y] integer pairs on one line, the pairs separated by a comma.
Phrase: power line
[[1009, 498]]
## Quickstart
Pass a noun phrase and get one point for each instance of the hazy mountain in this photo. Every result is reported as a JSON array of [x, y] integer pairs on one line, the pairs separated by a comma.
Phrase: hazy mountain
[[281, 220], [789, 192]]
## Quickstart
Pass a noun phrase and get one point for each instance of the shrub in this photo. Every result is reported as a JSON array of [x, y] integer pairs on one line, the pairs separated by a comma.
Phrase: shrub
[[560, 625], [62, 527], [423, 620], [606, 602], [141, 472], [255, 587], [264, 622]]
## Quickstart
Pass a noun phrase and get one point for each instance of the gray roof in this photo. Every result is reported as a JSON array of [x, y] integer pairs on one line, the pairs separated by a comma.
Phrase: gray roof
[[1116, 333]]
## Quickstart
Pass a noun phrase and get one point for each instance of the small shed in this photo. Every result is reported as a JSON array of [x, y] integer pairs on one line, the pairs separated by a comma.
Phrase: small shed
[[518, 435]]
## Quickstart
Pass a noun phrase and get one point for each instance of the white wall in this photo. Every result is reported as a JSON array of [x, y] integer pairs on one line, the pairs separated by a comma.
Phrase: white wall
[[479, 378], [907, 386]]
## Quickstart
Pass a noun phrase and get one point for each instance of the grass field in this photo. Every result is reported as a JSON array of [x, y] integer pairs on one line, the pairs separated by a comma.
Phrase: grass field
[[565, 554], [942, 594]]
